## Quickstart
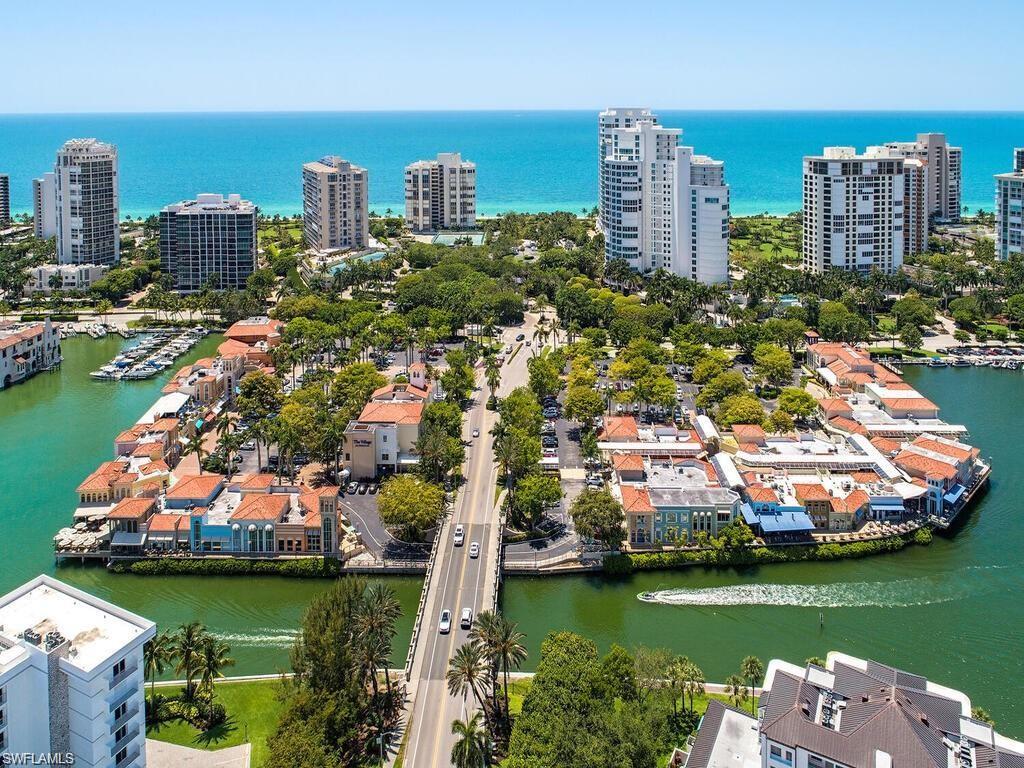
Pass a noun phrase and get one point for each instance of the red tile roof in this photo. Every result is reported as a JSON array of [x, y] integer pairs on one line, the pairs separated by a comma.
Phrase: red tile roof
[[636, 500], [244, 329], [132, 509], [259, 481], [886, 445], [262, 506], [194, 486], [392, 412], [763, 494], [909, 403], [960, 454], [103, 477], [926, 465], [848, 425], [748, 433], [810, 492], [627, 462], [828, 404], [165, 522], [620, 428]]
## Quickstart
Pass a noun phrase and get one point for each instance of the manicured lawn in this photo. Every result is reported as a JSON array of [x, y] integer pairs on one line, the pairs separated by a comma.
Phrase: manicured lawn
[[253, 711], [517, 690]]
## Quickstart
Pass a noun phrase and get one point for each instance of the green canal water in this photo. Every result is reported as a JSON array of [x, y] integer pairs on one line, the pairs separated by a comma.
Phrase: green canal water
[[54, 429], [952, 611]]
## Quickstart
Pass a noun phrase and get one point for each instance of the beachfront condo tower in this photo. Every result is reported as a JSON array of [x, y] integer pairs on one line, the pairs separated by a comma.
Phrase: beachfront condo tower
[[87, 203], [945, 166], [209, 242], [71, 678], [853, 210], [1009, 213], [440, 194], [44, 206], [5, 200], [662, 206], [335, 197]]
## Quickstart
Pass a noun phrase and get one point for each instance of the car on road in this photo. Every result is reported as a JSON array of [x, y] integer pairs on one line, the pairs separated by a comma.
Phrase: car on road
[[352, 487], [467, 618], [474, 550], [361, 490], [520, 337], [444, 626], [248, 445], [373, 488], [476, 432], [460, 535]]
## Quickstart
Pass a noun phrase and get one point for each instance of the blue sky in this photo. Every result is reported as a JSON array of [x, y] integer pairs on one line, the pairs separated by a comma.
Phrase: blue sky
[[350, 55]]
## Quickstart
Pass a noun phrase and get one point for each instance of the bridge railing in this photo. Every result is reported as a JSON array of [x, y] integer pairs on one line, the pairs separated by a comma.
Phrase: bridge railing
[[442, 533]]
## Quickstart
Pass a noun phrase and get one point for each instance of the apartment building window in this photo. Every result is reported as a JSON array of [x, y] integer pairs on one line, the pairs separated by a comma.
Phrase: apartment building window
[[119, 668]]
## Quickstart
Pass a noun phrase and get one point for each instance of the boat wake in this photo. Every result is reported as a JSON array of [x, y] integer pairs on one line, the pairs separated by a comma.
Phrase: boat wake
[[900, 593], [268, 638]]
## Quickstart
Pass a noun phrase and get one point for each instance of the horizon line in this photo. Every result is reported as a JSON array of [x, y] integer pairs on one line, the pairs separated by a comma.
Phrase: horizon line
[[508, 110]]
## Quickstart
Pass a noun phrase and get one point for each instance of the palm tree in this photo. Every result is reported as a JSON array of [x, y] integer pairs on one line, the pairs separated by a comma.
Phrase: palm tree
[[693, 682], [188, 642], [736, 690], [157, 654], [492, 373], [502, 642], [213, 658], [467, 672], [195, 445], [752, 669], [472, 748]]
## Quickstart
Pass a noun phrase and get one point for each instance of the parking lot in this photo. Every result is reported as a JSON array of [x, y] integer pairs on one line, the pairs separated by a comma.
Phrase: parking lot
[[361, 510]]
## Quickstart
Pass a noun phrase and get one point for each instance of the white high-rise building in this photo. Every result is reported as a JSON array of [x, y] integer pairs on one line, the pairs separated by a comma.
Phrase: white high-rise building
[[440, 194], [335, 197], [1009, 213], [44, 205], [87, 203], [72, 677], [853, 210], [5, 200], [662, 206], [945, 167]]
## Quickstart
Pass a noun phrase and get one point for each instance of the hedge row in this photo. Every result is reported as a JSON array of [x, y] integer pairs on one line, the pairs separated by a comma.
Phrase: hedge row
[[57, 318], [651, 561], [303, 568]]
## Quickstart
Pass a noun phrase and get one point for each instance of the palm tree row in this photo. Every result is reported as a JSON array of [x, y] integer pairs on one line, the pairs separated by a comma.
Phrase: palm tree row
[[495, 648], [193, 652]]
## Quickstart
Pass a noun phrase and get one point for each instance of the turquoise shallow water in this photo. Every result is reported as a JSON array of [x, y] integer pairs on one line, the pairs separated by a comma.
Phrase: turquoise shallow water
[[528, 161]]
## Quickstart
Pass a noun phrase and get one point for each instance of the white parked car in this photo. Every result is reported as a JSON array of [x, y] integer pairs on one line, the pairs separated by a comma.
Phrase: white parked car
[[474, 550], [444, 626], [476, 432], [460, 535]]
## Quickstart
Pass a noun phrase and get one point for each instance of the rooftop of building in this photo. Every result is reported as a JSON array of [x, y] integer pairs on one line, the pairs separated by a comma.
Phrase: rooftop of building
[[333, 164], [207, 202], [392, 412], [96, 629], [854, 709]]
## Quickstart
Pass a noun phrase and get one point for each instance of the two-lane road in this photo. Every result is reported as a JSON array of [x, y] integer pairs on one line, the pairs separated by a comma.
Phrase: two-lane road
[[459, 581]]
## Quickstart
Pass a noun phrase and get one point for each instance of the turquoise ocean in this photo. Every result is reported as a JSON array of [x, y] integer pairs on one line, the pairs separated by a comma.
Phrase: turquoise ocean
[[526, 161]]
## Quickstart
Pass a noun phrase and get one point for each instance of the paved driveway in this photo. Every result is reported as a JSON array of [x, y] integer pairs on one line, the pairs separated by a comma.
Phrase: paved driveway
[[361, 510], [160, 754]]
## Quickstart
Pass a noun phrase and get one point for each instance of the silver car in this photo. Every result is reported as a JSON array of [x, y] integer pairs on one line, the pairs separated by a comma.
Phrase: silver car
[[444, 626]]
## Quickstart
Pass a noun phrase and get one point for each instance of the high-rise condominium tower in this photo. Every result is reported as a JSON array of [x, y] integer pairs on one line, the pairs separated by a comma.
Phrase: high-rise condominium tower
[[945, 166], [5, 200], [209, 237], [853, 210], [440, 194], [335, 197], [662, 206], [87, 203], [72, 677], [44, 205], [1010, 208]]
